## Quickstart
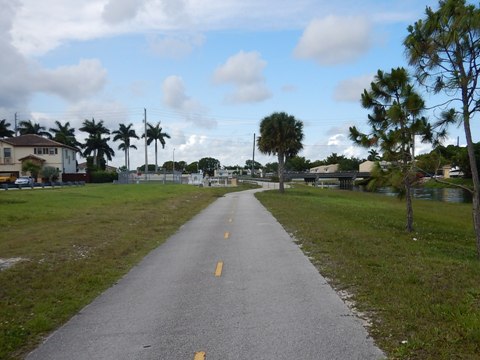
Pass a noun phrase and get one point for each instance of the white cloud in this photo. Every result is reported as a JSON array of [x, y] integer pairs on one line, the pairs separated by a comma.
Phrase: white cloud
[[117, 11], [244, 72], [175, 47], [20, 77], [334, 40], [351, 89], [175, 97], [74, 82]]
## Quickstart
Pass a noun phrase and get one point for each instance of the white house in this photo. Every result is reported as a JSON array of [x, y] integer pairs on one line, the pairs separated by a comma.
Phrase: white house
[[15, 151]]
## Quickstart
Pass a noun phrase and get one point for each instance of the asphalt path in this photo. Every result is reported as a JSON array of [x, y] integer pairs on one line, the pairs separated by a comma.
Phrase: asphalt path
[[230, 284]]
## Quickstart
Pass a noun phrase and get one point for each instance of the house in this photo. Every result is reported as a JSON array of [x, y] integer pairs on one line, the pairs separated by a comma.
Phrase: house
[[368, 165], [325, 169], [15, 151]]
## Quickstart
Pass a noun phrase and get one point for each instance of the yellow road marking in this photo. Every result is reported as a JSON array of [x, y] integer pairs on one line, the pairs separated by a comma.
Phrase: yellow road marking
[[218, 269], [226, 235], [199, 355]]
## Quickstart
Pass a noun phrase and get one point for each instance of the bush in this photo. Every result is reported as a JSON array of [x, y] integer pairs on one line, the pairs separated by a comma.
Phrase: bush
[[101, 176]]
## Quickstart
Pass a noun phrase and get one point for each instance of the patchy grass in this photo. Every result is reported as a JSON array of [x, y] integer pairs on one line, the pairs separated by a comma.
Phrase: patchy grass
[[421, 290], [76, 242]]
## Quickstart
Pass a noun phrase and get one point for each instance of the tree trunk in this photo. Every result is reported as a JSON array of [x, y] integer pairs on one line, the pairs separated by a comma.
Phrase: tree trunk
[[281, 166], [408, 195], [475, 179], [156, 162]]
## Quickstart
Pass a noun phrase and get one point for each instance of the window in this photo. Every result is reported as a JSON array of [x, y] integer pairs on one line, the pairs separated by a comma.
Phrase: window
[[7, 153], [52, 151]]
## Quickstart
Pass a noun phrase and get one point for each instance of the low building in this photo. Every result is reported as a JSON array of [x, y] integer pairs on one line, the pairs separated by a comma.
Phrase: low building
[[15, 151], [325, 169], [368, 165]]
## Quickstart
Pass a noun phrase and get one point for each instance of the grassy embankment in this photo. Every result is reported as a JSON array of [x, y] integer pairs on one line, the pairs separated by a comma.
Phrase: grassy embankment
[[75, 243], [452, 181], [422, 290]]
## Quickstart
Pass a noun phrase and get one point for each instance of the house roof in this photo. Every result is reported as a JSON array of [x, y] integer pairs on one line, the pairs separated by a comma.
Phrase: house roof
[[30, 140], [32, 157]]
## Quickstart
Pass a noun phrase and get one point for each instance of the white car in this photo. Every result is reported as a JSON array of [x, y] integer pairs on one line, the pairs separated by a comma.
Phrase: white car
[[24, 180]]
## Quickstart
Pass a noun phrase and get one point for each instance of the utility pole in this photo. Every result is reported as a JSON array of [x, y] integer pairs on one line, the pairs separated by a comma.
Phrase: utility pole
[[16, 127], [173, 166], [253, 157], [146, 152]]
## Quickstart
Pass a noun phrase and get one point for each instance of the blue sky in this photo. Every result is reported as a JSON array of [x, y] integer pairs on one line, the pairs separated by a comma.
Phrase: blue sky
[[209, 70]]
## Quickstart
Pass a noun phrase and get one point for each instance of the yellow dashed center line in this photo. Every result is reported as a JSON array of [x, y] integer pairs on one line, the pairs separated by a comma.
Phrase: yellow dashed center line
[[226, 235], [199, 355], [218, 269]]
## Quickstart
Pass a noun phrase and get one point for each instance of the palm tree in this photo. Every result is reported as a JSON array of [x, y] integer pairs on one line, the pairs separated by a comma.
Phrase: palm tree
[[373, 155], [95, 143], [280, 134], [124, 134], [4, 129], [65, 134], [29, 127], [154, 133]]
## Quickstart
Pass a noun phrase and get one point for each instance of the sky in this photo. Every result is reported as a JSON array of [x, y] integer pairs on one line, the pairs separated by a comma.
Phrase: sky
[[208, 70]]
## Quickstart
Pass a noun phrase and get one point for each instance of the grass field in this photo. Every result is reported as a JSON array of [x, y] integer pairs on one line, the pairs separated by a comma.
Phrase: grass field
[[420, 290], [75, 242]]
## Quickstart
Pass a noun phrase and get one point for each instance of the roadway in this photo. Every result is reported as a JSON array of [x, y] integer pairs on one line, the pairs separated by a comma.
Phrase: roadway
[[230, 284]]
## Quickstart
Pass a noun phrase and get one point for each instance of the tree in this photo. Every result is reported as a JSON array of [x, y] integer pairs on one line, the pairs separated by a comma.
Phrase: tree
[[96, 144], [373, 155], [32, 167], [4, 129], [444, 49], [208, 165], [65, 134], [50, 173], [154, 133], [271, 167], [192, 168], [124, 134], [297, 163], [28, 127], [282, 135], [395, 121]]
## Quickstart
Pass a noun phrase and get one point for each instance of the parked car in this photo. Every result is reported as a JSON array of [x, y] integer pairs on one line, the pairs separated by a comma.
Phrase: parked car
[[24, 180]]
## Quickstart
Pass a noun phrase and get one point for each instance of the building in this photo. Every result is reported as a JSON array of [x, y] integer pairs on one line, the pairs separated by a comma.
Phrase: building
[[325, 169], [15, 151], [367, 166]]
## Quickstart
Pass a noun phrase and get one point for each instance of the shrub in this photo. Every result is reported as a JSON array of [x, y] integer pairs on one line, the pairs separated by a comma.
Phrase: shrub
[[101, 176]]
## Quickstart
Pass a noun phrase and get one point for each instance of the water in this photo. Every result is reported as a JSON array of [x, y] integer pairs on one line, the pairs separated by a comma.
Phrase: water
[[455, 195]]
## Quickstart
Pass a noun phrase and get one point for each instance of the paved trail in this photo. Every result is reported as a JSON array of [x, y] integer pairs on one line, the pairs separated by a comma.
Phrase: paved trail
[[266, 302]]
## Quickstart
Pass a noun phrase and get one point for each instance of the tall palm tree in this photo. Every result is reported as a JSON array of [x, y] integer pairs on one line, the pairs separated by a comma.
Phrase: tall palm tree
[[154, 133], [373, 155], [282, 135], [29, 127], [4, 129], [65, 134], [95, 143], [124, 134]]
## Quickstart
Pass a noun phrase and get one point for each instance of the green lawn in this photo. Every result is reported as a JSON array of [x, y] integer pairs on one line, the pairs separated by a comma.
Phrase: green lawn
[[421, 290], [75, 243]]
